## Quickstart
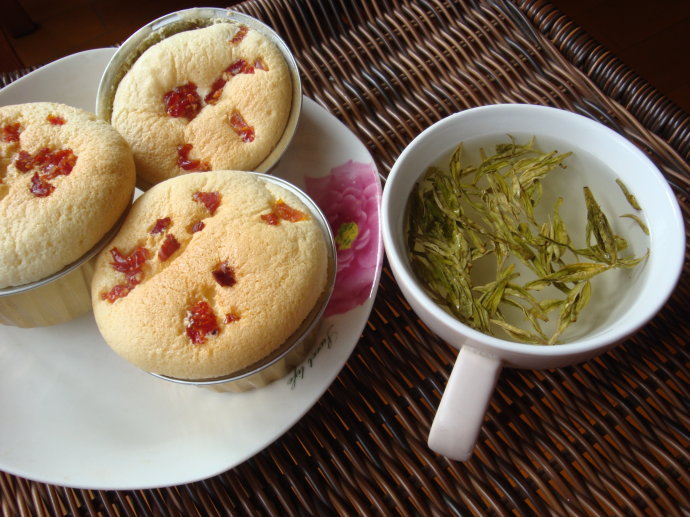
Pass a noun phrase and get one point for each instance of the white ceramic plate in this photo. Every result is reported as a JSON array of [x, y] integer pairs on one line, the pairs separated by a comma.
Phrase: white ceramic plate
[[75, 414]]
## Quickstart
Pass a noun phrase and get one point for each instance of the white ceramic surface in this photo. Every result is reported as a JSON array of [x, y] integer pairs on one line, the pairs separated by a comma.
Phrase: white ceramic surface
[[75, 414], [460, 414]]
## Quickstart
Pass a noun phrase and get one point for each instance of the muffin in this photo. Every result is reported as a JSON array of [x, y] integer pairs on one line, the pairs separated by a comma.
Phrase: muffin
[[66, 177], [210, 98], [211, 274]]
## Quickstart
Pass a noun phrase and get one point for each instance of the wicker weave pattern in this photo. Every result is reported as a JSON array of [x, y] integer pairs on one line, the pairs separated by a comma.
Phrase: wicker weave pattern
[[609, 437]]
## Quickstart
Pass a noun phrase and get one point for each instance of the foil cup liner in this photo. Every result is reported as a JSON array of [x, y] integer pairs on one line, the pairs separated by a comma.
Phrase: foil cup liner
[[298, 346], [185, 20], [59, 298], [59, 301]]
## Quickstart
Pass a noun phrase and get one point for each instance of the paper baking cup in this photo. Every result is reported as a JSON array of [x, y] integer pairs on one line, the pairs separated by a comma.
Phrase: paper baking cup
[[58, 298], [298, 346], [185, 20]]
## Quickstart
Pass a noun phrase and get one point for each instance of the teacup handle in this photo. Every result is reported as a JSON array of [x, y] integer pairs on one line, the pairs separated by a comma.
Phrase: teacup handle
[[460, 414]]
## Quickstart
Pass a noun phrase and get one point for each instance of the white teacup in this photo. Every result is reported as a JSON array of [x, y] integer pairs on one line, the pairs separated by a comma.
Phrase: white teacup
[[461, 411]]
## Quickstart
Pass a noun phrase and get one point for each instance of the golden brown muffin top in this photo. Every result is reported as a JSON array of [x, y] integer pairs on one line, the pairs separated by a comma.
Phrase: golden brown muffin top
[[210, 273], [216, 98], [65, 179]]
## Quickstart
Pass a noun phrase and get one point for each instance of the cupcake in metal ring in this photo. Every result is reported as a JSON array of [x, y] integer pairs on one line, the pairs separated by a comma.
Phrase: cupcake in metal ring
[[66, 178], [215, 277], [211, 90]]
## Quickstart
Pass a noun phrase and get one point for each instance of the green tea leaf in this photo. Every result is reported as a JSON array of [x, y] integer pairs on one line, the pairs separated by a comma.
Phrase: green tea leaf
[[493, 292], [577, 298], [639, 222], [599, 226], [628, 195], [519, 334], [578, 272], [632, 262], [490, 211]]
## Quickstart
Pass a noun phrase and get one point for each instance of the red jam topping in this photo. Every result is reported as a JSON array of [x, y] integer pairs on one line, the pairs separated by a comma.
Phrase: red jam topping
[[188, 164], [170, 246], [240, 126], [198, 226], [24, 162], [238, 67], [200, 322], [271, 219], [183, 101], [211, 200], [224, 275], [287, 213], [56, 120], [216, 90], [160, 225], [119, 291], [51, 163], [240, 34], [10, 133], [131, 265], [55, 163], [232, 317], [283, 212], [40, 186]]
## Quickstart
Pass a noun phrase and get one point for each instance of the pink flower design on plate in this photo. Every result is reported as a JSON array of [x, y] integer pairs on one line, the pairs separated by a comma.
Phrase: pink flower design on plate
[[350, 197]]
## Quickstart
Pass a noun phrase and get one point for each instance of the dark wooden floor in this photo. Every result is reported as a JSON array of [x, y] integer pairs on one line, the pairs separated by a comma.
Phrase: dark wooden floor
[[652, 37]]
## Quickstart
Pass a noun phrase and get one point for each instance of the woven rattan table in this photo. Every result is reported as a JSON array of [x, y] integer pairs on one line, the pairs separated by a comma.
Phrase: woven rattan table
[[609, 437]]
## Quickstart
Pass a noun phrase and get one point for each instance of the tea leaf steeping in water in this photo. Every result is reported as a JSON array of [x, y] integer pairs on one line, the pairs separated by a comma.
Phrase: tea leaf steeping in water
[[458, 217]]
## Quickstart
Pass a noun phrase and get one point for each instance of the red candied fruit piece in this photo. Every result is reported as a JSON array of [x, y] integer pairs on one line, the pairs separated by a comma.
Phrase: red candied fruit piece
[[198, 226], [56, 120], [240, 34], [211, 200], [287, 213], [232, 317], [55, 163], [283, 212], [10, 133], [24, 162], [40, 186], [216, 90], [160, 225], [225, 275], [183, 101], [200, 322], [51, 163], [170, 246], [240, 67], [271, 219], [188, 164], [240, 126], [119, 291], [132, 264]]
